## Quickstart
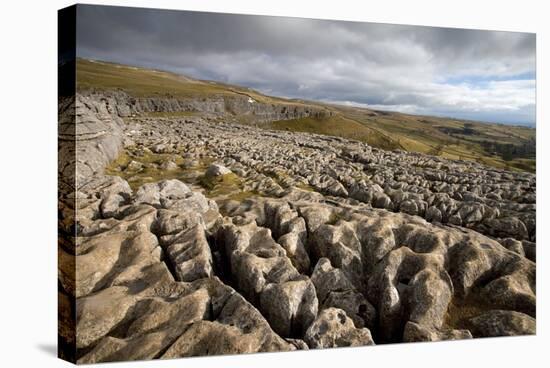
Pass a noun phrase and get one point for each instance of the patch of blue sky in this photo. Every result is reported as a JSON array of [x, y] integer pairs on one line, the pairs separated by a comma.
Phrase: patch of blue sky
[[480, 80]]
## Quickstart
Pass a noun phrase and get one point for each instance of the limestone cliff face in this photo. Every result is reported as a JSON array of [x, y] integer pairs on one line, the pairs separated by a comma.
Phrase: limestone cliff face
[[239, 104], [90, 136]]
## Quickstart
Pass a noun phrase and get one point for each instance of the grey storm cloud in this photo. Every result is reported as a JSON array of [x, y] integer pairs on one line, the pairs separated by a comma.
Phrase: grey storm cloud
[[473, 74]]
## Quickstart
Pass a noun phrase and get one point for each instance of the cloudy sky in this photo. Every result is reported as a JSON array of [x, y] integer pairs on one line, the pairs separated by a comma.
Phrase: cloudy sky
[[471, 74]]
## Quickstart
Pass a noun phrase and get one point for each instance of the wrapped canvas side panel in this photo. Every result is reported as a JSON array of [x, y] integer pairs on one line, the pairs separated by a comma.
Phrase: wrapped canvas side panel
[[66, 183]]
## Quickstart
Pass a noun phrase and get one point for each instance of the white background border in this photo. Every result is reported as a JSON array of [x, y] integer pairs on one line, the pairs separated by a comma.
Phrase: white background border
[[28, 302]]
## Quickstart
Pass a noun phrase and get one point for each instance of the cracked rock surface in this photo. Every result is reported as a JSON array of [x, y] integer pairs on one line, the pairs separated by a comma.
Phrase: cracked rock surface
[[195, 236]]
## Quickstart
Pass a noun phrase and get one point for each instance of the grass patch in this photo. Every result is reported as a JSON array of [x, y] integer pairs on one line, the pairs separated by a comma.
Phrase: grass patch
[[140, 167], [142, 82], [451, 138], [213, 182], [338, 126], [243, 195]]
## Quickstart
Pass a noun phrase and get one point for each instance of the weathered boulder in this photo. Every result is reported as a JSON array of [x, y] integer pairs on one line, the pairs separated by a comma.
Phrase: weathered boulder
[[290, 307], [339, 243], [513, 245], [170, 221], [239, 328], [415, 332], [502, 323], [101, 259], [429, 295], [333, 328], [100, 313], [167, 190], [409, 281], [189, 254], [335, 290], [328, 185], [290, 231], [433, 214], [507, 227], [217, 170], [169, 166]]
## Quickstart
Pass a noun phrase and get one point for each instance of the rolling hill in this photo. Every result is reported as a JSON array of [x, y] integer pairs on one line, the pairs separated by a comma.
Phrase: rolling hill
[[497, 145]]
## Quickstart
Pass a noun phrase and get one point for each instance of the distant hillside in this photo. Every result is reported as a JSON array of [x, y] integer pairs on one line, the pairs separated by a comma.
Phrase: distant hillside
[[502, 146], [141, 82]]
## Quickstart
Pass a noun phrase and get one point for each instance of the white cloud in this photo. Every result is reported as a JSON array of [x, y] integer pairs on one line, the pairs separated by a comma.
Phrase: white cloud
[[406, 68]]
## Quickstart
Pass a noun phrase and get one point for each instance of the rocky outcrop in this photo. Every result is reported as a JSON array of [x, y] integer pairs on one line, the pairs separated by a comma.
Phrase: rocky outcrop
[[265, 275], [211, 238], [236, 104], [145, 286], [441, 191], [90, 136]]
